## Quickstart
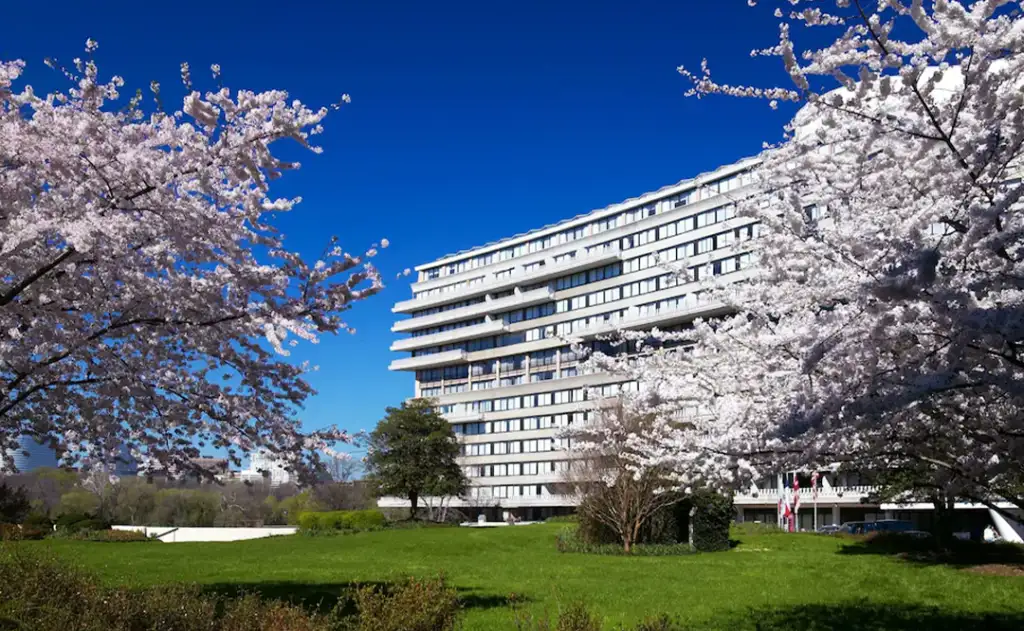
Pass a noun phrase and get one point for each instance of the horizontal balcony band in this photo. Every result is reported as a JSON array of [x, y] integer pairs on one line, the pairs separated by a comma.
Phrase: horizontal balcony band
[[531, 456], [520, 275], [497, 305], [525, 479], [482, 502], [448, 337], [831, 495], [447, 358], [526, 434], [695, 206]]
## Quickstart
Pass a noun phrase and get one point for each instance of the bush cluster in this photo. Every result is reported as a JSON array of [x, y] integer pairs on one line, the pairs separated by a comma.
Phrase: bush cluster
[[114, 536], [576, 616], [341, 521], [73, 523], [416, 605], [667, 530], [41, 594], [21, 532], [711, 518]]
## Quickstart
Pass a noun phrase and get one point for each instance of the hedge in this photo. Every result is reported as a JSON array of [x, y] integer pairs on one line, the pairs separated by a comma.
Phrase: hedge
[[353, 520], [711, 521]]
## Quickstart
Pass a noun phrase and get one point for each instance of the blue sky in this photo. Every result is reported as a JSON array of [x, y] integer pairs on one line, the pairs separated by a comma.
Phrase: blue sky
[[470, 121]]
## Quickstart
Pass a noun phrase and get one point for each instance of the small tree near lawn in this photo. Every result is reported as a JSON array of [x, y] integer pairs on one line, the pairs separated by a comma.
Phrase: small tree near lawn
[[412, 453], [614, 489]]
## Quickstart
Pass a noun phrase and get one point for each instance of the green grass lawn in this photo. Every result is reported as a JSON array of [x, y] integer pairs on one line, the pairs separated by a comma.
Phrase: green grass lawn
[[779, 581]]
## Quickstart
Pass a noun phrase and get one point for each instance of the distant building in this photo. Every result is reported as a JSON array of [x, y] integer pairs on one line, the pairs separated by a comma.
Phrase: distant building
[[216, 466], [29, 456], [265, 466]]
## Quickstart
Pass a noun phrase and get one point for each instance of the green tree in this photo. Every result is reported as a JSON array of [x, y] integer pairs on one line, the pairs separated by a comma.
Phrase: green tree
[[412, 454], [78, 502], [14, 504], [134, 501]]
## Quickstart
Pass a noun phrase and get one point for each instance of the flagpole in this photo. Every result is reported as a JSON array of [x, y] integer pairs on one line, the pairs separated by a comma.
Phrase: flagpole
[[814, 493]]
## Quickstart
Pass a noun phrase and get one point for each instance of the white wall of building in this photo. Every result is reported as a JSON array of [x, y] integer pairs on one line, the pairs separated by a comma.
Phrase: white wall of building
[[489, 328], [173, 534]]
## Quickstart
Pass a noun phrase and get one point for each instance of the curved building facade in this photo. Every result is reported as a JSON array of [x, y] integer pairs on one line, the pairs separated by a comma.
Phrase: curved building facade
[[29, 456]]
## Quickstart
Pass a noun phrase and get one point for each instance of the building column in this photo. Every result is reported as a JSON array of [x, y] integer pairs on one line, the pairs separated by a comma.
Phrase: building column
[[1008, 531], [835, 514]]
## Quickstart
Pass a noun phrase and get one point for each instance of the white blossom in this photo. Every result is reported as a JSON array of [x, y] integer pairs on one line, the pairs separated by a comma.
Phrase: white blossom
[[145, 293], [890, 330]]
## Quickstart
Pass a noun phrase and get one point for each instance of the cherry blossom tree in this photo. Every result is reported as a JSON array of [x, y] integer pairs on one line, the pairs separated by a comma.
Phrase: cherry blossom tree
[[885, 322], [146, 298]]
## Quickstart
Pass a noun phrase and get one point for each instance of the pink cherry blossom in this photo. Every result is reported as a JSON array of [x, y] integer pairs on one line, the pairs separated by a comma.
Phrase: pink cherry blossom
[[146, 298]]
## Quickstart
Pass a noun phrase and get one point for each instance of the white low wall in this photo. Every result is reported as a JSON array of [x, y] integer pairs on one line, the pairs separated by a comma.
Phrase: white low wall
[[172, 534]]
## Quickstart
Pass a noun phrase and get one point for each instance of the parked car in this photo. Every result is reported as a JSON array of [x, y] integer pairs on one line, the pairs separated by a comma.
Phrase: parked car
[[853, 527], [889, 525], [829, 529], [882, 525]]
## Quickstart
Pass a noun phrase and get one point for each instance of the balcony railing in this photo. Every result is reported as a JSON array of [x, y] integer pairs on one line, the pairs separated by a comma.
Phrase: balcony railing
[[429, 361], [834, 494], [517, 276], [447, 337], [506, 303]]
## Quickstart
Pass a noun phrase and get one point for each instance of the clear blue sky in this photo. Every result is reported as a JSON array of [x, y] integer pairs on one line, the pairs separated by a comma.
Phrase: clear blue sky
[[470, 121]]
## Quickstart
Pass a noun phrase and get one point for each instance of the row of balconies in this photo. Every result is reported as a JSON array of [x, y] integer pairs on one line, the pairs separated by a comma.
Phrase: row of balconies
[[826, 495], [489, 306], [633, 320], [550, 269]]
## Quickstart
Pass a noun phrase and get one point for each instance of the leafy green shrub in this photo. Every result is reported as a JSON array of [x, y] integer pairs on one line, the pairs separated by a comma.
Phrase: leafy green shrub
[[66, 521], [72, 523], [364, 519], [574, 617], [352, 520], [114, 536], [14, 503], [20, 532], [249, 613], [660, 623], [416, 605], [41, 594], [38, 520], [711, 521]]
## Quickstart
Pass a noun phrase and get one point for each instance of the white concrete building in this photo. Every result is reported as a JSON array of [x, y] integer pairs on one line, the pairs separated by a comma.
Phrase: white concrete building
[[28, 456], [265, 467], [488, 339], [489, 326]]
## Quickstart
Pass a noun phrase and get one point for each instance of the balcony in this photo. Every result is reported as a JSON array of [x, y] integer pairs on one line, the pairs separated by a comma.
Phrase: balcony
[[448, 337], [465, 417], [635, 320], [518, 276], [446, 358], [507, 303], [830, 495]]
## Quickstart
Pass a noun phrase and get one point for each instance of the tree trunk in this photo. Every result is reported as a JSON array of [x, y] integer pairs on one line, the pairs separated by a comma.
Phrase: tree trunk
[[944, 519], [689, 526], [413, 502]]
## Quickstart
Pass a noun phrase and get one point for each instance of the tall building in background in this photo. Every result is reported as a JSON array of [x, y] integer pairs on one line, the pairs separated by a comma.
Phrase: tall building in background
[[29, 456], [265, 467], [489, 327]]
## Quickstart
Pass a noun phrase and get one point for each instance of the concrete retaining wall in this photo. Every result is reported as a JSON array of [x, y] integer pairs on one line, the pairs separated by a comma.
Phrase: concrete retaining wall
[[171, 534]]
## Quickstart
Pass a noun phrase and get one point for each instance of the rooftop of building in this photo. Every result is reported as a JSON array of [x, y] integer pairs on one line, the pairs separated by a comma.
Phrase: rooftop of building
[[631, 202]]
